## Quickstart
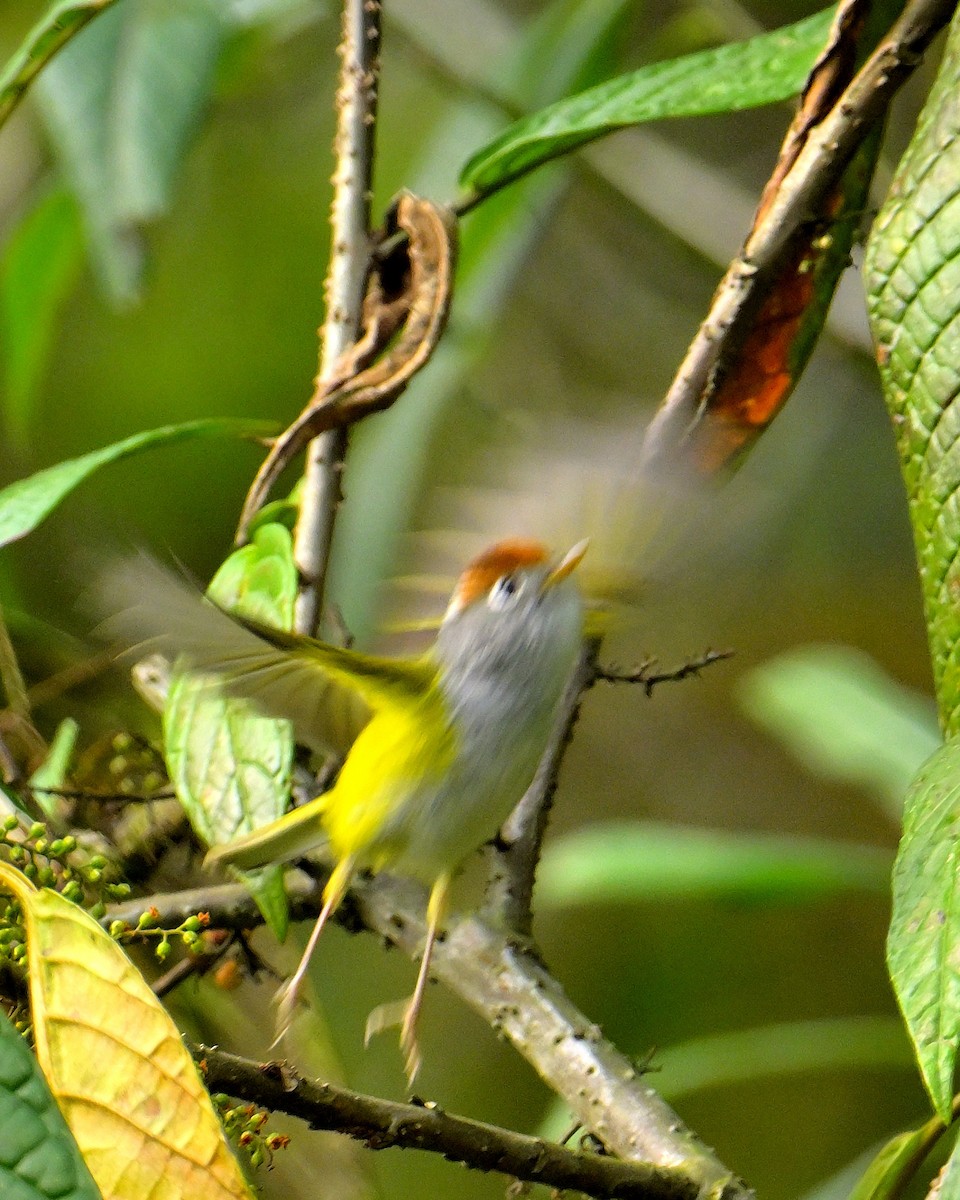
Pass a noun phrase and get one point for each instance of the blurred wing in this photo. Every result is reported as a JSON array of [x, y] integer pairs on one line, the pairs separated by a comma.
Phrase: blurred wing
[[327, 692]]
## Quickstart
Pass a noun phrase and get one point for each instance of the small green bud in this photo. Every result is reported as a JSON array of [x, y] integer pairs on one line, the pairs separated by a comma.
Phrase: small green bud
[[119, 891], [118, 928], [98, 861], [17, 854], [192, 925], [37, 830], [40, 846], [121, 742], [93, 875], [118, 766], [10, 823], [98, 910], [69, 843], [190, 939], [163, 950], [148, 919]]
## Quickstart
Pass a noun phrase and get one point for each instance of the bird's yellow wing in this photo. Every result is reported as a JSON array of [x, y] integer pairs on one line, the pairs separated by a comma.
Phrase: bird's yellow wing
[[329, 693]]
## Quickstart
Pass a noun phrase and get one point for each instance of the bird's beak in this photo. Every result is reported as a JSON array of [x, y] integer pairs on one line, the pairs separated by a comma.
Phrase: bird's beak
[[569, 562]]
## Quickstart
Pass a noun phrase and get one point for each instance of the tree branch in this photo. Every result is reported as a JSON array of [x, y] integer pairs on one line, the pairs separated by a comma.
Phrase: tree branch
[[516, 850], [345, 284], [516, 995], [818, 166], [382, 1124]]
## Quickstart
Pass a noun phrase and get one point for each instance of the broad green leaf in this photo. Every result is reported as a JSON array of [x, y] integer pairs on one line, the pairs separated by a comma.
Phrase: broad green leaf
[[116, 1063], [897, 1162], [58, 25], [844, 717], [41, 262], [390, 457], [923, 946], [912, 272], [122, 103], [636, 861], [53, 771], [39, 1159], [28, 502], [767, 68], [229, 764]]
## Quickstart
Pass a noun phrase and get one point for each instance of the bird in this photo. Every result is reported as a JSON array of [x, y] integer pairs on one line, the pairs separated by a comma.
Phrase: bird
[[448, 741]]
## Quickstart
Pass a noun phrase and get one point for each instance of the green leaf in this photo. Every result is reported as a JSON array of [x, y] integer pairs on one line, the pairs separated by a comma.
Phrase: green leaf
[[62, 22], [41, 263], [897, 1163], [121, 104], [912, 272], [28, 502], [767, 68], [640, 861], [229, 764], [923, 946], [53, 771], [39, 1159], [844, 717]]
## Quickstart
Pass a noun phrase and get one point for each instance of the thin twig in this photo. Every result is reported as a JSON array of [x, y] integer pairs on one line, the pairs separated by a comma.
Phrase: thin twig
[[516, 853], [817, 168], [515, 994], [345, 284], [649, 679], [382, 1124]]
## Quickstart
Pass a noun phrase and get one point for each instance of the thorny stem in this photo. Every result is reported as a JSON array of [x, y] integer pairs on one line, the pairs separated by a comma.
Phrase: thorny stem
[[345, 283]]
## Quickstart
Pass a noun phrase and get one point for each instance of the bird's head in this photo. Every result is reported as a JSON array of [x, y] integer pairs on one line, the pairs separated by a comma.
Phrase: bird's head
[[514, 608]]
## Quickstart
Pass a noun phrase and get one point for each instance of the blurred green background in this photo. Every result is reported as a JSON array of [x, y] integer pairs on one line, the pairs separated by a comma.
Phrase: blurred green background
[[754, 966]]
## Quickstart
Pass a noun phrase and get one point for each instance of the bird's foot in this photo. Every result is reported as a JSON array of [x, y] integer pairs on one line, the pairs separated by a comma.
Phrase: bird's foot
[[403, 1013]]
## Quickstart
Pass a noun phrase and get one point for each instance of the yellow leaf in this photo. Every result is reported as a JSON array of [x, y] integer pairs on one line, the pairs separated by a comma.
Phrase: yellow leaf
[[115, 1062]]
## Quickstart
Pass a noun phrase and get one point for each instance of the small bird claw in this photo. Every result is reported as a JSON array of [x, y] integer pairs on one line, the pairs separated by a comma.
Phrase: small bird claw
[[403, 1013]]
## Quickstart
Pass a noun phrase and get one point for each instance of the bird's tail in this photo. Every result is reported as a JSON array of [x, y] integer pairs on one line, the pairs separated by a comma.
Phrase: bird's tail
[[298, 832]]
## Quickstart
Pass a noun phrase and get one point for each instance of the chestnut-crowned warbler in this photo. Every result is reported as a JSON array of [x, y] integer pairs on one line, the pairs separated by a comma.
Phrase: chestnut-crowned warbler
[[451, 742]]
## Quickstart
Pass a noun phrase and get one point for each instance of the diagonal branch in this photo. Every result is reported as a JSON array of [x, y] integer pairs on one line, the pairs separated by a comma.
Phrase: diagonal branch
[[384, 1124], [814, 173], [512, 990]]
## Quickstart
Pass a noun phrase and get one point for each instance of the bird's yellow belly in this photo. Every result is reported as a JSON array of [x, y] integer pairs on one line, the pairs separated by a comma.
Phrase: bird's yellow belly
[[418, 804]]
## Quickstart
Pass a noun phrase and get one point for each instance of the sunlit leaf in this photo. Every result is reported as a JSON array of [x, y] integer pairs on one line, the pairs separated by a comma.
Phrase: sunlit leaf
[[634, 862], [39, 1159], [923, 947], [122, 102], [769, 67], [24, 504], [844, 717], [40, 265], [116, 1063], [912, 271], [229, 764]]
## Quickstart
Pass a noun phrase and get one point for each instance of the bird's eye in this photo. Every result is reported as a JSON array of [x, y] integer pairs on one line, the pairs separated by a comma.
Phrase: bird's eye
[[503, 592]]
